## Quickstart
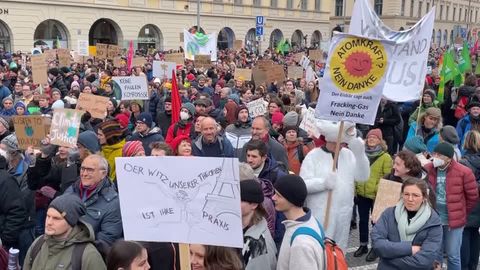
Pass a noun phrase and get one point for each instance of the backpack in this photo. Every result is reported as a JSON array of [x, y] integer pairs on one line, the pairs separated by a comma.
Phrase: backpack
[[77, 253], [334, 257], [301, 155]]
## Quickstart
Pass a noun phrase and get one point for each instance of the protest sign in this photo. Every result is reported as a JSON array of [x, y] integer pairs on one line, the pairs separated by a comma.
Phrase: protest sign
[[309, 123], [30, 130], [202, 60], [264, 64], [113, 51], [257, 107], [295, 72], [139, 61], [39, 68], [237, 45], [407, 64], [276, 73], [178, 58], [94, 104], [65, 126], [132, 87], [353, 80], [243, 74], [101, 50], [117, 61], [64, 58], [51, 55], [200, 44], [298, 56], [316, 55], [259, 75], [388, 195], [163, 70], [82, 47], [163, 202]]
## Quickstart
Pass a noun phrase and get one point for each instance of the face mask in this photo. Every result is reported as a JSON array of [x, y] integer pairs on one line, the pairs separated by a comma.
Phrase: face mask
[[437, 162], [184, 116]]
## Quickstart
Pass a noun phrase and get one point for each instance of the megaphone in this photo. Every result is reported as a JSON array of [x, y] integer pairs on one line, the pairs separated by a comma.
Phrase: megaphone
[[36, 51]]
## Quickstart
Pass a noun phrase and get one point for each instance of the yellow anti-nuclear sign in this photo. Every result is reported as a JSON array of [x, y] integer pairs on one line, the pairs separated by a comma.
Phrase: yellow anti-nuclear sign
[[358, 64]]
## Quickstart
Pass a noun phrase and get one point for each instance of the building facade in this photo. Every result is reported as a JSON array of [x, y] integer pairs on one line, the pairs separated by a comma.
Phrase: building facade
[[453, 18], [159, 23]]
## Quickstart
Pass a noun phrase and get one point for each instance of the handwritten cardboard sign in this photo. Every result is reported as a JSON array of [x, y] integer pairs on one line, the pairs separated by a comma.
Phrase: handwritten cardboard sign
[[164, 202], [388, 195], [243, 74], [309, 123], [202, 60], [95, 105], [39, 69], [31, 130], [117, 61], [178, 58], [64, 57], [113, 51], [65, 126], [51, 55], [295, 72], [276, 73], [238, 44], [163, 70], [139, 61], [133, 88], [316, 55], [298, 56], [101, 50], [257, 107]]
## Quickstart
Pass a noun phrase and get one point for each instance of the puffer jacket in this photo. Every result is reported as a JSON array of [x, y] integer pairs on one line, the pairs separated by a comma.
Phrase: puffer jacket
[[258, 248], [103, 211], [153, 135], [461, 191], [56, 254], [397, 254], [378, 169], [110, 152], [472, 160]]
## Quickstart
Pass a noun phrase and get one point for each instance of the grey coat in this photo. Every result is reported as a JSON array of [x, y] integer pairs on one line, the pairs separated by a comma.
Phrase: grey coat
[[259, 250]]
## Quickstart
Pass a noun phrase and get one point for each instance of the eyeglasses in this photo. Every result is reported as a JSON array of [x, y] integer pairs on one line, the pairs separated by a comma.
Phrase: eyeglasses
[[89, 170]]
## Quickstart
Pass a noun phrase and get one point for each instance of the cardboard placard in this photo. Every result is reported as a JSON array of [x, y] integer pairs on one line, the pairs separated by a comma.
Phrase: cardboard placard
[[139, 61], [295, 72], [113, 51], [39, 68], [64, 58], [238, 44], [178, 58], [132, 87], [202, 60], [257, 107], [309, 123], [276, 73], [95, 105], [388, 195], [79, 58], [50, 55], [264, 63], [65, 126], [244, 74], [163, 70], [316, 55], [298, 56], [117, 61], [30, 130], [101, 50]]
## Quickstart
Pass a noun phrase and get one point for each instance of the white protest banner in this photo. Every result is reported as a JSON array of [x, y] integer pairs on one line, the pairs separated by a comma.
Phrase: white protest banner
[[65, 126], [353, 80], [163, 70], [257, 107], [200, 43], [132, 87], [309, 123], [407, 65], [82, 47], [164, 202]]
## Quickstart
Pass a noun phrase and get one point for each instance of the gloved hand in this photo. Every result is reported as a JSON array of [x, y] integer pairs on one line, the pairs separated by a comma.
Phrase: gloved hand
[[48, 192], [357, 146], [331, 180]]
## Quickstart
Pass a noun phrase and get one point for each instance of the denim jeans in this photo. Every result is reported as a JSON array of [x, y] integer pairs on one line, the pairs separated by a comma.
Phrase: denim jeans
[[452, 243], [41, 215], [25, 240], [470, 248], [365, 205]]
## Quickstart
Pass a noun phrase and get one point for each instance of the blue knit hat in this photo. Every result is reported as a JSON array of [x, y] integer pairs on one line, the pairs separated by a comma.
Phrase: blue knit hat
[[145, 118], [89, 140]]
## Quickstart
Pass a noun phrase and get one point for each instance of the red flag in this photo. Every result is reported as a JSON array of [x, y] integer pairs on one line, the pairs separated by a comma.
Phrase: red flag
[[473, 50], [130, 57], [176, 103]]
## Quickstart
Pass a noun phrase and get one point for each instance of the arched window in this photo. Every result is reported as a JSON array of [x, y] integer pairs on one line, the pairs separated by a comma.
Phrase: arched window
[[5, 43], [316, 39], [225, 38], [105, 31], [439, 37], [297, 39], [150, 37], [51, 33], [275, 37], [250, 43]]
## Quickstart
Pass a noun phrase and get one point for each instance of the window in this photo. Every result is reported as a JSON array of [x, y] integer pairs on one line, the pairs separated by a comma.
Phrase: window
[[273, 3], [460, 13], [378, 7], [303, 4], [465, 16], [257, 3], [338, 7], [317, 5], [476, 15], [471, 16], [289, 4], [402, 8], [411, 7], [428, 6], [447, 13], [441, 12], [420, 6], [454, 13]]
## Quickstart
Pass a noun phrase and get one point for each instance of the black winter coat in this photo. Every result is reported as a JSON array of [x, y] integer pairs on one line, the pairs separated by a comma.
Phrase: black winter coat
[[391, 118]]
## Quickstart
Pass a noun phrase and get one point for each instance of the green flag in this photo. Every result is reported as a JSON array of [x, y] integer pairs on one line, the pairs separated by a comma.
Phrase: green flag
[[449, 67], [464, 61]]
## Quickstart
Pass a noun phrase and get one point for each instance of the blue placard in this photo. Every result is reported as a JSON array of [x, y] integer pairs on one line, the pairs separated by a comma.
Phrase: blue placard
[[259, 31], [260, 20]]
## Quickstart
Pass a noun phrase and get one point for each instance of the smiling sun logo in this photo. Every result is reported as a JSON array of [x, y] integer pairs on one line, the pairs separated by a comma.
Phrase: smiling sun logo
[[357, 64]]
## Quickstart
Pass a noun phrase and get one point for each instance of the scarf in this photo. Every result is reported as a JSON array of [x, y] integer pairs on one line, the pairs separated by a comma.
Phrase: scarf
[[407, 230]]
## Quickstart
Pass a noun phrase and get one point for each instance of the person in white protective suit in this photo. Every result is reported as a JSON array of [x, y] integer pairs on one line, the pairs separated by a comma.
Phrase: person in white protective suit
[[316, 170]]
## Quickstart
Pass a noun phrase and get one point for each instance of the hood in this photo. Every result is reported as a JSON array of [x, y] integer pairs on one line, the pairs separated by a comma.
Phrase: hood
[[153, 131], [108, 149], [267, 187], [258, 229], [81, 233]]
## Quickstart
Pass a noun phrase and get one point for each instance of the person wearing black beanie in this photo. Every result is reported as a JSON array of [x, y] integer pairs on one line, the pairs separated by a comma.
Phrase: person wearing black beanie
[[299, 249]]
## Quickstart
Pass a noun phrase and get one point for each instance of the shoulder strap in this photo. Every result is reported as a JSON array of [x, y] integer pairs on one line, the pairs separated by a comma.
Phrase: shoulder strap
[[301, 156], [77, 255], [310, 232], [36, 249]]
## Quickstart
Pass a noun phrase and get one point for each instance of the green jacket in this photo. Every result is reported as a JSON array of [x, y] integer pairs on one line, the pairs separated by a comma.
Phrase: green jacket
[[56, 254], [381, 167], [421, 109]]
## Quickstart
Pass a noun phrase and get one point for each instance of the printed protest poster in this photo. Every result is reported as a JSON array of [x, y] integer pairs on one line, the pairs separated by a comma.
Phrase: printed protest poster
[[407, 65], [309, 123], [388, 195], [102, 50], [82, 47], [39, 68], [31, 130], [94, 104], [316, 55], [257, 107], [163, 70], [353, 80], [202, 61], [65, 126], [237, 44], [243, 74], [163, 202], [178, 58], [132, 87], [295, 72]]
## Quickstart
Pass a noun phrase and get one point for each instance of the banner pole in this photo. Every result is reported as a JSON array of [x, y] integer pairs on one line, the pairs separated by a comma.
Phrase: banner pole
[[184, 251]]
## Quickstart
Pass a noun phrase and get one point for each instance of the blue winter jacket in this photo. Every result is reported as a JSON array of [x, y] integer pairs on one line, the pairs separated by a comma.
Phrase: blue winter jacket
[[396, 254], [463, 126], [431, 143], [226, 148]]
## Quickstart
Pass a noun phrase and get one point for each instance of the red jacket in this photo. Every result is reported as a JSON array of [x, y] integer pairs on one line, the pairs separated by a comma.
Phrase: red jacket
[[462, 191], [180, 131]]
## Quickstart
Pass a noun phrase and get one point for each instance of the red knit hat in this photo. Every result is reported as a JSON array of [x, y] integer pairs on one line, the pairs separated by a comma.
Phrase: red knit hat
[[132, 148], [122, 119], [375, 132], [277, 118], [190, 77], [176, 142]]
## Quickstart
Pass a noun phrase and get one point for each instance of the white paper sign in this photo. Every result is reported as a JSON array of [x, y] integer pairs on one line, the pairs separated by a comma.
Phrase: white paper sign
[[83, 47], [133, 88], [238, 142], [163, 202], [353, 80], [407, 66], [163, 70], [309, 123], [257, 107]]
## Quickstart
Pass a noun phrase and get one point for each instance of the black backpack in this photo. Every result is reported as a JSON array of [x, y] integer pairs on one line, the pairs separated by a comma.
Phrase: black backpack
[[77, 253]]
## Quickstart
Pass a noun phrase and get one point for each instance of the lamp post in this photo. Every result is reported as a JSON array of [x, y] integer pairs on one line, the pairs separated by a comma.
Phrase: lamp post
[[198, 15]]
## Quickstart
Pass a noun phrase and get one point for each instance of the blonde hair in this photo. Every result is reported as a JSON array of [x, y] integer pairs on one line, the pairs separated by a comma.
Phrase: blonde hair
[[472, 141]]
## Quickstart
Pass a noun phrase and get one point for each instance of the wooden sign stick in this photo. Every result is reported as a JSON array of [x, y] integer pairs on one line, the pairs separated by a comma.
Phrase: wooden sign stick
[[184, 250], [334, 169]]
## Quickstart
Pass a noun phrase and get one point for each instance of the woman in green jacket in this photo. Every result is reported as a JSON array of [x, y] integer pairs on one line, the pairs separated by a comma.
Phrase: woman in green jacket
[[380, 165]]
